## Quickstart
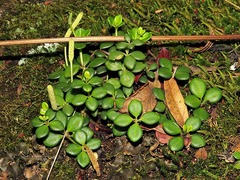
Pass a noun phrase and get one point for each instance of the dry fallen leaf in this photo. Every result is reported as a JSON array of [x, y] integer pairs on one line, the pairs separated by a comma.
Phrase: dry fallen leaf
[[201, 154], [3, 175], [235, 143], [93, 158], [145, 95], [175, 101]]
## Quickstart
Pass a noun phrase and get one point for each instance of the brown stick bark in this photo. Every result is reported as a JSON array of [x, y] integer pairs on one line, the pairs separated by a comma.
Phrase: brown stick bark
[[119, 38]]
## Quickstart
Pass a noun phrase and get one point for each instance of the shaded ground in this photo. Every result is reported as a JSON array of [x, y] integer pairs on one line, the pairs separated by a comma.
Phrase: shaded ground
[[23, 88]]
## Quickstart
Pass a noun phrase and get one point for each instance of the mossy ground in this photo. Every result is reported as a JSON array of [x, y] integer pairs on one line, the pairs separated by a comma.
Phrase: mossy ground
[[23, 88]]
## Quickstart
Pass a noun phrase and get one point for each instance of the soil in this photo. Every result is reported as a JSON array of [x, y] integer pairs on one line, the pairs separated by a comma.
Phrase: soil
[[23, 89]]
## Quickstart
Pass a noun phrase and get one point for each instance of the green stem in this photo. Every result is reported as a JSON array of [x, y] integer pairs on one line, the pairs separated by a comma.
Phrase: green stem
[[71, 70], [81, 58], [116, 31], [65, 56]]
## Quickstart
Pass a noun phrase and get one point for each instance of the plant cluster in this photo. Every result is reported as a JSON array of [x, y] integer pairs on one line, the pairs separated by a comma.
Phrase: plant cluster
[[102, 84]]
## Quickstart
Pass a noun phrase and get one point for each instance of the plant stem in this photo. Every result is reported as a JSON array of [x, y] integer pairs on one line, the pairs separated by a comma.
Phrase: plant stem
[[120, 38], [55, 158], [71, 70], [65, 56], [81, 58], [234, 5]]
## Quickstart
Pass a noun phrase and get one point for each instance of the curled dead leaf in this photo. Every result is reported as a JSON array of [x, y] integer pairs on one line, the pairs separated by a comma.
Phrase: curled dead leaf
[[201, 153], [93, 160], [175, 101]]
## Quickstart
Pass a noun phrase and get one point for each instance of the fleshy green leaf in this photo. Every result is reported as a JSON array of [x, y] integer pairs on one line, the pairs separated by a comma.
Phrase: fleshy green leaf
[[97, 62], [213, 95], [237, 165], [121, 45], [88, 73], [73, 149], [201, 113], [99, 92], [160, 107], [192, 124], [79, 100], [60, 116], [171, 128], [94, 143], [159, 94], [123, 120], [91, 104], [56, 125], [197, 87], [83, 159], [176, 144], [60, 101], [95, 81], [116, 55], [119, 131], [50, 114], [197, 141], [135, 107], [150, 118], [151, 74], [42, 131], [76, 68], [135, 132], [164, 73], [70, 95], [107, 103], [127, 90], [137, 42], [56, 74], [36, 122], [44, 106], [182, 73], [52, 139], [109, 88], [77, 84], [129, 62], [139, 67], [119, 102], [127, 78], [106, 45], [80, 137], [68, 109], [115, 82], [88, 132], [164, 62], [87, 88], [111, 114], [236, 155], [192, 101], [75, 122], [113, 65], [138, 55]]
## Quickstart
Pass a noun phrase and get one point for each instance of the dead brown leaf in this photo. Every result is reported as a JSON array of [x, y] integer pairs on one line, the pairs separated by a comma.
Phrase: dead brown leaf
[[3, 175], [145, 95], [19, 89], [201, 154], [175, 101]]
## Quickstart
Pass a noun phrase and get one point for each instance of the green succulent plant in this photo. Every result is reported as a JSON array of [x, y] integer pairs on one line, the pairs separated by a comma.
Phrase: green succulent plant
[[94, 85]]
